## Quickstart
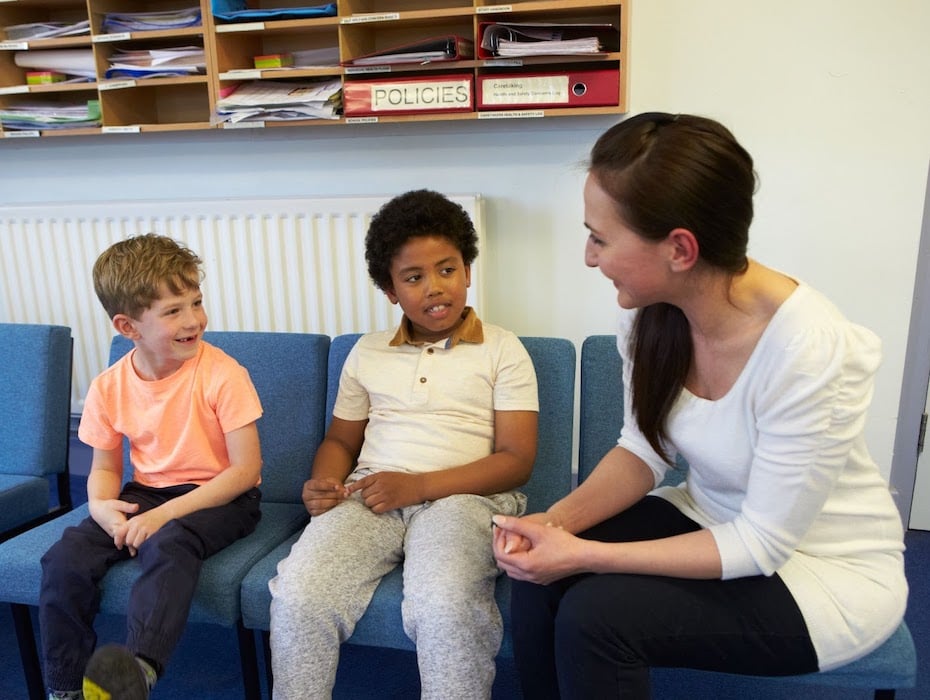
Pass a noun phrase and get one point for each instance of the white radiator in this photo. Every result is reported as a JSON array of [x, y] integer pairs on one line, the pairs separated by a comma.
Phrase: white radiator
[[274, 264]]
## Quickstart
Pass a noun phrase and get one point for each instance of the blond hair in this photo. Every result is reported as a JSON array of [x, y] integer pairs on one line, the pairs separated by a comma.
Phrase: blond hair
[[130, 275]]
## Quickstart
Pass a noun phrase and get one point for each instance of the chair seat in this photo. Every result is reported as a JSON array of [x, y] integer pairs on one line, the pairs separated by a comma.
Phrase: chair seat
[[220, 577], [22, 498], [892, 665]]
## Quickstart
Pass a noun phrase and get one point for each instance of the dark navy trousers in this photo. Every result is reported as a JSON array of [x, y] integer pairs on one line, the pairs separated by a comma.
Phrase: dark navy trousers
[[160, 599], [597, 635]]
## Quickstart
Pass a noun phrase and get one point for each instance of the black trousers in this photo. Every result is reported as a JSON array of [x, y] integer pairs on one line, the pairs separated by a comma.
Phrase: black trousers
[[597, 635], [160, 599]]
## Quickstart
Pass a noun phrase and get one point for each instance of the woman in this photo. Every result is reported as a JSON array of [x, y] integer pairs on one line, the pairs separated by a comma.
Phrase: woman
[[782, 551]]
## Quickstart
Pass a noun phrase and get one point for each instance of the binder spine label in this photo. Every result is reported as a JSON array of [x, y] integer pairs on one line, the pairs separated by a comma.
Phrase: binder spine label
[[408, 96], [514, 90]]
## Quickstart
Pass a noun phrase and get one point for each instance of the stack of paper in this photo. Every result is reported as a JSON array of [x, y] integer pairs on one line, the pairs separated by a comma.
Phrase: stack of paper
[[72, 62], [117, 22], [42, 116], [156, 63], [267, 100], [46, 30], [315, 58]]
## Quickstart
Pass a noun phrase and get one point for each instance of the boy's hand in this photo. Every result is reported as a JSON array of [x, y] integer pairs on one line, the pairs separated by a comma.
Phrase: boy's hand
[[139, 528], [384, 491], [320, 495], [110, 514]]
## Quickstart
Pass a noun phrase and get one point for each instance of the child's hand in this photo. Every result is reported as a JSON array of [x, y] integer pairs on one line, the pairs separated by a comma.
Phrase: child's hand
[[110, 514], [141, 527], [384, 491], [320, 495]]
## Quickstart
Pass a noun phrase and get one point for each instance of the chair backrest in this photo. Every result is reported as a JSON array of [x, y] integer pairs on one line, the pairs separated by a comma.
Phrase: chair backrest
[[554, 361], [35, 373], [289, 374], [601, 415]]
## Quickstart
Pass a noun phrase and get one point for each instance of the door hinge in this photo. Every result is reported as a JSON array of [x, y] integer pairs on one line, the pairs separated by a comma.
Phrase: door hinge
[[923, 433]]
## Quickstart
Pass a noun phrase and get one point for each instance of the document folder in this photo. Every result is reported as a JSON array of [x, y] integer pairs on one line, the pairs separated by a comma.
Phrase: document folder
[[438, 48], [499, 39], [597, 88], [395, 96]]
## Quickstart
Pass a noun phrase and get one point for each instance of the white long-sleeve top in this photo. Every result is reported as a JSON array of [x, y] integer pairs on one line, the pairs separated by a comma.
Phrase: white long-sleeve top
[[780, 474]]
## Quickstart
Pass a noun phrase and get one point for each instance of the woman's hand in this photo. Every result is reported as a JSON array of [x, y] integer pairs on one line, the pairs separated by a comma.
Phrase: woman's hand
[[535, 549]]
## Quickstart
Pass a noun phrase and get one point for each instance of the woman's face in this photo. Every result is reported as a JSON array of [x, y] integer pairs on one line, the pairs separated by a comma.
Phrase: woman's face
[[637, 266]]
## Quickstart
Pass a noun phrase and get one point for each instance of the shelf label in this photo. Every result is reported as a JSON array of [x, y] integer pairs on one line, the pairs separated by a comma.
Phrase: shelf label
[[361, 120], [31, 134], [116, 84], [493, 8], [241, 74], [244, 125], [14, 89], [503, 62], [135, 129], [372, 17], [14, 45], [244, 27], [355, 70], [104, 38], [513, 114]]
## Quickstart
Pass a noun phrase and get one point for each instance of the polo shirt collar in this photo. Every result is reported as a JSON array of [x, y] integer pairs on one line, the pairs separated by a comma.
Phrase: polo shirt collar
[[468, 331]]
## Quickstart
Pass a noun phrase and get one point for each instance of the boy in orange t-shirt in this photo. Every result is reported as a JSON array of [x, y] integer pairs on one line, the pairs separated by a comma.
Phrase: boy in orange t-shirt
[[189, 413]]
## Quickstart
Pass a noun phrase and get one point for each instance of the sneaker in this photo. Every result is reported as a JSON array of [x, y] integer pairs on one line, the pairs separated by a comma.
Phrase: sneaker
[[113, 673]]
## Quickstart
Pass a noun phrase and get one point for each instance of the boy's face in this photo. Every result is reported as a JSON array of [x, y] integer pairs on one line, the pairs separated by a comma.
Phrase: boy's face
[[430, 282], [166, 334]]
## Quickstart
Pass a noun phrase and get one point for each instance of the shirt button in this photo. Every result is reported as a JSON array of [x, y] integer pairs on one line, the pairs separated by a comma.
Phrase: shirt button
[[422, 380], [430, 351]]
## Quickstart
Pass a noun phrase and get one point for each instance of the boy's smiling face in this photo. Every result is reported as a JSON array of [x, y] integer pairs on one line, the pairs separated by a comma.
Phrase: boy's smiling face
[[430, 281], [166, 334]]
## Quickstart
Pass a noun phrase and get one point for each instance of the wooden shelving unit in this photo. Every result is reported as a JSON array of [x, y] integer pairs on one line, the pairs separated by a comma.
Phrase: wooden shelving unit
[[358, 28]]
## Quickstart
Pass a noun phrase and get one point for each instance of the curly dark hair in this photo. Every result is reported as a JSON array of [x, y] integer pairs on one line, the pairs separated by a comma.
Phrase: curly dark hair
[[411, 215]]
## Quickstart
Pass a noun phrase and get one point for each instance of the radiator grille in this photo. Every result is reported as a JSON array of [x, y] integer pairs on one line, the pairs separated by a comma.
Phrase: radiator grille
[[273, 264]]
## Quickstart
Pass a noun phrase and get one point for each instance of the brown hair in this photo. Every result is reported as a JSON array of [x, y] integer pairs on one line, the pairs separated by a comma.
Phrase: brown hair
[[129, 275], [668, 171]]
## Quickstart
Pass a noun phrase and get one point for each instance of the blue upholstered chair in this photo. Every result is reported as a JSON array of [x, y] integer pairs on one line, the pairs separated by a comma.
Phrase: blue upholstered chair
[[289, 373], [381, 625], [893, 665], [35, 374]]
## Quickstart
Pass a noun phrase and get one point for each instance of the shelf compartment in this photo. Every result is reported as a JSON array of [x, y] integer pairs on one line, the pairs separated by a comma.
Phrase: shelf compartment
[[236, 50], [156, 101]]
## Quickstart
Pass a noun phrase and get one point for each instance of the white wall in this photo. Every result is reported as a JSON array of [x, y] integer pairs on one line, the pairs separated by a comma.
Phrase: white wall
[[831, 98]]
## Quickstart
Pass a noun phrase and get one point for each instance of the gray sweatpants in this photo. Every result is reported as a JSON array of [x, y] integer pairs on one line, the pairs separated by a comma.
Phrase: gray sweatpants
[[325, 584]]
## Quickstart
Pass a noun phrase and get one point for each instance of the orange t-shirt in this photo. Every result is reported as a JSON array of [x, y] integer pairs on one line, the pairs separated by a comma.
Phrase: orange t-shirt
[[177, 425]]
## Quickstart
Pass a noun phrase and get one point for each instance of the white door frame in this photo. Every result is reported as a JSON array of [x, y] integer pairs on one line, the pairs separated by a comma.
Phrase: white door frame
[[915, 380]]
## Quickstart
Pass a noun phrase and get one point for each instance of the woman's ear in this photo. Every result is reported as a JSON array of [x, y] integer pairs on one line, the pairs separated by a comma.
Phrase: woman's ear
[[684, 249]]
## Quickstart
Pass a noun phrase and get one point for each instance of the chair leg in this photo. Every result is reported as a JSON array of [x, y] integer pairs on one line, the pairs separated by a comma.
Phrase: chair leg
[[25, 636], [249, 660], [884, 694], [266, 648]]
